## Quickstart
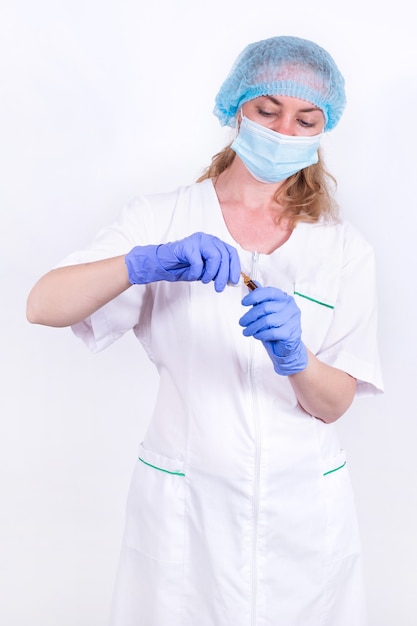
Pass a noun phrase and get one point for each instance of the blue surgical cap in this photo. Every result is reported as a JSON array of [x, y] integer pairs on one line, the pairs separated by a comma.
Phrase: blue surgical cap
[[283, 66]]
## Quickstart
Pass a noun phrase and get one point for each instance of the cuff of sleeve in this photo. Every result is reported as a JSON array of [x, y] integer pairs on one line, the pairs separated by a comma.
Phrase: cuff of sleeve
[[367, 374], [95, 332]]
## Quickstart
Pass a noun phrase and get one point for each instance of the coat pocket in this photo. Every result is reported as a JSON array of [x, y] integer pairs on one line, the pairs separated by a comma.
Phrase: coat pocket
[[155, 516], [317, 311], [342, 537]]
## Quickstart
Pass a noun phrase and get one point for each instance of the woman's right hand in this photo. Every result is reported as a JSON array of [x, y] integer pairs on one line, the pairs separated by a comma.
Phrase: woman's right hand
[[70, 294], [197, 257]]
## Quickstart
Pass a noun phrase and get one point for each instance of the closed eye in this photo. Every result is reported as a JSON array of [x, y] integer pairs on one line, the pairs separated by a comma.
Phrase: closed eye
[[307, 124], [266, 113]]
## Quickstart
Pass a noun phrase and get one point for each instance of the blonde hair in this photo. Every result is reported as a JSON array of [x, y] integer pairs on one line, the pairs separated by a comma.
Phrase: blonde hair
[[306, 196]]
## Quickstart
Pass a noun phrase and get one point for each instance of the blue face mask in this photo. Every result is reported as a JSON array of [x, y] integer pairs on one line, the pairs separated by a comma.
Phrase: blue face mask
[[271, 157]]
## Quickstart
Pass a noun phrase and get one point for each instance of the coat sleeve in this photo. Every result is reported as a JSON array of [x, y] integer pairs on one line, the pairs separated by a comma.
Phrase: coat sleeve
[[351, 343], [135, 225]]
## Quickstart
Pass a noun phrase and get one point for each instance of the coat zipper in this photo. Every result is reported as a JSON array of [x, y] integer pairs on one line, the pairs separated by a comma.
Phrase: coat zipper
[[257, 428]]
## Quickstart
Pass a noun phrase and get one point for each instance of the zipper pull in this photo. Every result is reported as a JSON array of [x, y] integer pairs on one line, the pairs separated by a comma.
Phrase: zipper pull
[[255, 261]]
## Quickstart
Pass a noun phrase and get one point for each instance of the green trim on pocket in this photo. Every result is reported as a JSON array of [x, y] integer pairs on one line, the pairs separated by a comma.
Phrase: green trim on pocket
[[329, 306], [160, 468], [335, 469]]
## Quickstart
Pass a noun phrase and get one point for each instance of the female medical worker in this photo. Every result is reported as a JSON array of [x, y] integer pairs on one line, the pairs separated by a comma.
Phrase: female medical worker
[[240, 511]]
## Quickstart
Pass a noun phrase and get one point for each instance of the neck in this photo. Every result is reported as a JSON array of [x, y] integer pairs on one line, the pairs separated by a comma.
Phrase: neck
[[237, 184], [250, 211]]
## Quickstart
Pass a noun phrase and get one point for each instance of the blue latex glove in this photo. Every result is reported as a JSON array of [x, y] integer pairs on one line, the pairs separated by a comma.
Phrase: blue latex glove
[[275, 320], [197, 257]]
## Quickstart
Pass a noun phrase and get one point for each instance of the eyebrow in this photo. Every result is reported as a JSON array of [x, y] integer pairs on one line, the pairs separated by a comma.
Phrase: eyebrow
[[306, 110]]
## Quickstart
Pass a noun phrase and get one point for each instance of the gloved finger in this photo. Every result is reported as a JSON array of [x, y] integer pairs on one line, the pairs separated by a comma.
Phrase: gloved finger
[[254, 328], [188, 253], [234, 264], [282, 308], [272, 326], [218, 258], [263, 294], [215, 259], [285, 333], [229, 268]]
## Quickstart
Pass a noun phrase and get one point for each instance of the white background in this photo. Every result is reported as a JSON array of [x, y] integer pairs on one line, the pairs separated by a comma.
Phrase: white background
[[100, 101]]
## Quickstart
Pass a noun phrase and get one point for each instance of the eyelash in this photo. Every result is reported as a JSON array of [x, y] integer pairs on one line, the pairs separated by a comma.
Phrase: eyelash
[[266, 113], [302, 122], [307, 124]]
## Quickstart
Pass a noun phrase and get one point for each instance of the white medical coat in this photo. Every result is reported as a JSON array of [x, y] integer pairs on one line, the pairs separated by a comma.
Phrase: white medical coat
[[240, 511]]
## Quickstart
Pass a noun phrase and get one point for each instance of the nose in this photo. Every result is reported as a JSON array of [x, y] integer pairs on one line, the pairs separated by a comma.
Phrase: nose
[[285, 125]]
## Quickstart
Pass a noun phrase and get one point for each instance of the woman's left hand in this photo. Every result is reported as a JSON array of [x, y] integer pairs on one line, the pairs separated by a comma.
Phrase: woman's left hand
[[275, 319]]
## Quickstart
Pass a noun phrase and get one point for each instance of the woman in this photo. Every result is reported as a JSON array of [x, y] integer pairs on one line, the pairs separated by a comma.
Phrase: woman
[[240, 509]]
